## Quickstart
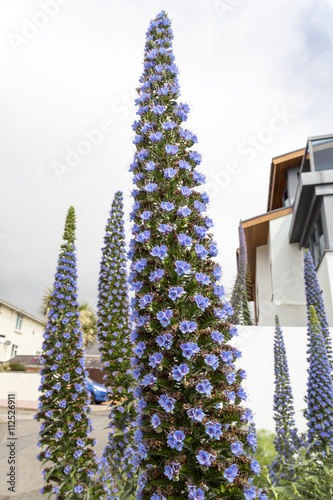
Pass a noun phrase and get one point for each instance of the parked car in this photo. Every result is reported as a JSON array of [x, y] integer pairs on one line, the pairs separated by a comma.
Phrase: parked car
[[98, 392]]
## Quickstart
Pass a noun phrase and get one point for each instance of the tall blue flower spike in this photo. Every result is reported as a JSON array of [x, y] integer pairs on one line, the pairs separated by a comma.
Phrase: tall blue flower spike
[[320, 389], [287, 443], [314, 298], [67, 454], [118, 463], [193, 435]]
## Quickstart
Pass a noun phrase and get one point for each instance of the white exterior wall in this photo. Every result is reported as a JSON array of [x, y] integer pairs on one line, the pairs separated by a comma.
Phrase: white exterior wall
[[287, 274], [29, 338], [24, 385], [264, 306], [280, 281], [325, 278], [257, 346]]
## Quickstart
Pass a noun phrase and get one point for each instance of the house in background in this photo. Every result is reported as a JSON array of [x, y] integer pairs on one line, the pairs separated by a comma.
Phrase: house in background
[[20, 332], [299, 215]]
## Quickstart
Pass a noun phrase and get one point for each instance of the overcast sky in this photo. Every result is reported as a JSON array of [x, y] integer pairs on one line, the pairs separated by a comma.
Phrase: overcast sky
[[258, 78]]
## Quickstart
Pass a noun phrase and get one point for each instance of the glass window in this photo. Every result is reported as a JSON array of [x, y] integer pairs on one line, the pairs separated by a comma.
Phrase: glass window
[[323, 154], [14, 351], [317, 242], [19, 319], [305, 167], [285, 198]]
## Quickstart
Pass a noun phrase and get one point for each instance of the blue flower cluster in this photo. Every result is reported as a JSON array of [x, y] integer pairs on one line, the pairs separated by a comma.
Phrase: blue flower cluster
[[314, 298], [63, 378], [286, 442], [319, 388], [119, 460], [182, 363], [239, 299]]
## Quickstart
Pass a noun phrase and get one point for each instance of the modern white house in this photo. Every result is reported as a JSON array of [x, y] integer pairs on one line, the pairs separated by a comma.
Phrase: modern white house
[[299, 215], [20, 332]]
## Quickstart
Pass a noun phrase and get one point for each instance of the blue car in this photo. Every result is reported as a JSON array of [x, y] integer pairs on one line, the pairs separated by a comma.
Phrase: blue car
[[98, 392]]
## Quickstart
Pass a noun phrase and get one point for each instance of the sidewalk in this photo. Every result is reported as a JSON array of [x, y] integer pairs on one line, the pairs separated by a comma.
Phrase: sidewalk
[[28, 480], [28, 413]]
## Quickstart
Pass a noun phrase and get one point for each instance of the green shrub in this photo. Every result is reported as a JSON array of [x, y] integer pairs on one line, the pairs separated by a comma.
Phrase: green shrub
[[12, 367]]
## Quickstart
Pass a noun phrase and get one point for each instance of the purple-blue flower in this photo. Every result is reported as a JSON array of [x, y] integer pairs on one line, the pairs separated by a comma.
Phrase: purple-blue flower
[[184, 211], [184, 240], [205, 458], [202, 302], [167, 403], [202, 278], [156, 137], [176, 292], [140, 265], [164, 228], [167, 206], [169, 173], [143, 237], [250, 493], [160, 252], [140, 349], [189, 349], [201, 251], [156, 275], [237, 448], [168, 471], [195, 494], [182, 267], [171, 150], [196, 414], [155, 421], [231, 473], [149, 379], [204, 387], [217, 337], [164, 317], [184, 164], [179, 372], [186, 191], [146, 215], [158, 110], [175, 440], [151, 187], [155, 359], [212, 361], [255, 466], [150, 166], [169, 125], [164, 340], [188, 326]]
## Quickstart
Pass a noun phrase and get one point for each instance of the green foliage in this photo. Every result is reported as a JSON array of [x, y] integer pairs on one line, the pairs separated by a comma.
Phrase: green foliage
[[16, 367], [70, 225], [13, 367], [314, 478], [265, 455]]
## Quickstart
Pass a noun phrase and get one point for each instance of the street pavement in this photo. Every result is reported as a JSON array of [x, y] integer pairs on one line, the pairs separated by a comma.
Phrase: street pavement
[[28, 471]]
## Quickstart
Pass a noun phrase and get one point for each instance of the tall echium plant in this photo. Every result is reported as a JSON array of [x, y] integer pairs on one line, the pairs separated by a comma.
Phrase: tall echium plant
[[118, 460], [314, 298], [287, 442], [194, 439], [320, 389], [239, 299], [67, 454]]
